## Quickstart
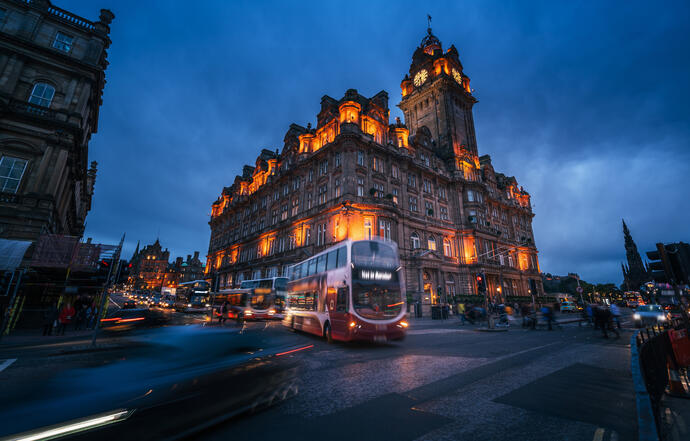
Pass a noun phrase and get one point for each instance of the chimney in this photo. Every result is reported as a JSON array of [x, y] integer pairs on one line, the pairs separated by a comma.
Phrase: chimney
[[196, 255], [189, 256], [88, 240]]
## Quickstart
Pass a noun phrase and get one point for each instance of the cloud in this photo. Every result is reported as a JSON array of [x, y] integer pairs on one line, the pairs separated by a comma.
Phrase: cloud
[[586, 104]]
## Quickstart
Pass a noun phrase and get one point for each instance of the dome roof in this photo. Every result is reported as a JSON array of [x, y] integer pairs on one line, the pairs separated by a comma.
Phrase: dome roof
[[430, 41]]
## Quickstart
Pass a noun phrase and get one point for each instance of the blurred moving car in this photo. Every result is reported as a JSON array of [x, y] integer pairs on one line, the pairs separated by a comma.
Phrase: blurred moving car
[[649, 315], [568, 306], [129, 304], [185, 379], [128, 319]]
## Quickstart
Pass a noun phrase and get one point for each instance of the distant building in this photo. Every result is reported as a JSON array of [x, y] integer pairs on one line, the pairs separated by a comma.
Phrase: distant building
[[149, 267], [355, 175], [635, 273], [52, 75], [152, 270]]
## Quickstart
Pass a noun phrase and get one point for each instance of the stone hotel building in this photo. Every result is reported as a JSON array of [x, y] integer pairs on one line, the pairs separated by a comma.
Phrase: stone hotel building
[[355, 175]]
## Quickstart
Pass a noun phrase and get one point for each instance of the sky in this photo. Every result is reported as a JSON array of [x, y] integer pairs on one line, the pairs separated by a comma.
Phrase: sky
[[587, 104]]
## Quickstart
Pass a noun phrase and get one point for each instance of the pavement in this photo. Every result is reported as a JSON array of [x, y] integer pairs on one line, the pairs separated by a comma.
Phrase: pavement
[[445, 381]]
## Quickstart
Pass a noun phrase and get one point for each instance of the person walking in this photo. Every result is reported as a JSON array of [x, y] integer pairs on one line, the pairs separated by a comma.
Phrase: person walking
[[50, 315], [223, 312], [65, 318], [616, 315], [547, 312], [461, 313]]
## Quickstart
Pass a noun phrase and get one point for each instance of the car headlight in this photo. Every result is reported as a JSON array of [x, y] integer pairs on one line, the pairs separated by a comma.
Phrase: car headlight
[[662, 317], [189, 305], [247, 312], [636, 316], [207, 305], [271, 312], [75, 426]]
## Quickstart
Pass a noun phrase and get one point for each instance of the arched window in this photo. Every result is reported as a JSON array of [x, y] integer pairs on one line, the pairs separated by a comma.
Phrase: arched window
[[414, 238], [42, 95], [447, 250], [431, 243]]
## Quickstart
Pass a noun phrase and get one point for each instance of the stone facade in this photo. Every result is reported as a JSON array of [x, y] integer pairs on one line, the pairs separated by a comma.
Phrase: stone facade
[[420, 184], [52, 75]]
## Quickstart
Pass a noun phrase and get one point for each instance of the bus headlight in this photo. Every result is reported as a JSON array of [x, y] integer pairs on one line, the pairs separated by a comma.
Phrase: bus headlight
[[404, 324], [207, 305], [271, 312], [247, 312], [662, 317], [353, 324], [636, 316], [189, 305]]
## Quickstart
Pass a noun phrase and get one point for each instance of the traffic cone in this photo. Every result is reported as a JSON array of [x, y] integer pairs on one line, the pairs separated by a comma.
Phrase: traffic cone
[[675, 385]]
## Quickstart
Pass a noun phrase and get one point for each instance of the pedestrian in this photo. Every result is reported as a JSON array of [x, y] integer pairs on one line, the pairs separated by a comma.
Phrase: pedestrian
[[79, 317], [590, 314], [50, 315], [223, 312], [461, 313], [616, 315], [88, 316], [65, 318], [547, 312]]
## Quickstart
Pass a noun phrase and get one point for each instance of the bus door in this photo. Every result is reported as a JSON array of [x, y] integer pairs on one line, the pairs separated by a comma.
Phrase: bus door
[[338, 307]]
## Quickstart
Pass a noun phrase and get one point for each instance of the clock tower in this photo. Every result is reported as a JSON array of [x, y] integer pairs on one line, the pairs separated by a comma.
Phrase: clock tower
[[437, 102]]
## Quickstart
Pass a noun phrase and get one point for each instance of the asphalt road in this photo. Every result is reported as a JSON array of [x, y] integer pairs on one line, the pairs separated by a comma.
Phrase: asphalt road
[[443, 382]]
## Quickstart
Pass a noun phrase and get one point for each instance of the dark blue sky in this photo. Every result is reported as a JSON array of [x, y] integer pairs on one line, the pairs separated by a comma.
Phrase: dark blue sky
[[587, 104]]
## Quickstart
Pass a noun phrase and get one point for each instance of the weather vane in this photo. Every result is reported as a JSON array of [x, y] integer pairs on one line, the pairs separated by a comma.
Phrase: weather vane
[[428, 21]]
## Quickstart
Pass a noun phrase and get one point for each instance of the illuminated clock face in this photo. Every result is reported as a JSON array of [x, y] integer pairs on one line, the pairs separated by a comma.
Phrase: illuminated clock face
[[420, 78], [458, 76]]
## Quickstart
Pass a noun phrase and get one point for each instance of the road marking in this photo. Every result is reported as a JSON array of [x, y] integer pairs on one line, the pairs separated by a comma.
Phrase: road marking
[[116, 304], [435, 331], [6, 363], [598, 434]]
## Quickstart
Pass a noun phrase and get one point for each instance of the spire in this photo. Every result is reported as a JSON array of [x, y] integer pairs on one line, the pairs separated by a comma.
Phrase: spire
[[626, 232], [430, 42], [635, 274]]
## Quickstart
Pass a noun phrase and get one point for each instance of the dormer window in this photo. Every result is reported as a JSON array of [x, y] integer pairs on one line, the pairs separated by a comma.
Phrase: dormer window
[[63, 42], [42, 95]]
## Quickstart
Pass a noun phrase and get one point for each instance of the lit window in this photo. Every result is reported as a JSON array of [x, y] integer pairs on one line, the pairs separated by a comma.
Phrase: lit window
[[395, 196], [337, 188], [42, 95], [431, 243], [63, 42], [11, 172], [447, 251], [385, 229], [367, 228], [414, 239]]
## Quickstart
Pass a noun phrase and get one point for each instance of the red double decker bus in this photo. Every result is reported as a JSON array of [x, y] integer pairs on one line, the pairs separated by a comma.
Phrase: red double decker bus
[[351, 291]]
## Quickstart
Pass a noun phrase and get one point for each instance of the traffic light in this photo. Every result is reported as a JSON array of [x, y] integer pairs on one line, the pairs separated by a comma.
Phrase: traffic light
[[657, 269], [668, 264], [481, 283]]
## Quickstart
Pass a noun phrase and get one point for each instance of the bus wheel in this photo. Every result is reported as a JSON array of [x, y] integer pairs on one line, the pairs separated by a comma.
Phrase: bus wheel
[[327, 333]]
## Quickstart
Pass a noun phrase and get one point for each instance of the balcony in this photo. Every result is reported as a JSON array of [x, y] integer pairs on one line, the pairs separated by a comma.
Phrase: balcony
[[44, 113]]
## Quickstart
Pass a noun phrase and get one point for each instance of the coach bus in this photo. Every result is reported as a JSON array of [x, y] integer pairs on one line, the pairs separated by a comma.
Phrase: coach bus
[[192, 296], [351, 291], [257, 299]]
